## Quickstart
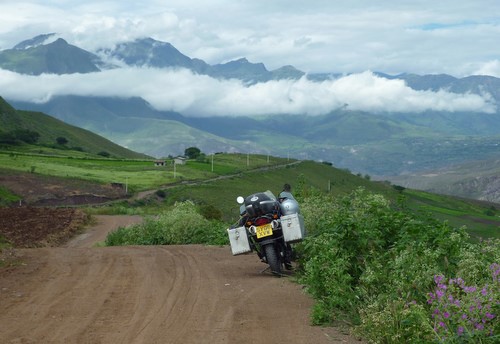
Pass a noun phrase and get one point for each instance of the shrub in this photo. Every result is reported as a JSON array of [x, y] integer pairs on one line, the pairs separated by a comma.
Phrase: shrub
[[466, 313], [180, 225], [375, 266], [161, 193], [104, 154], [26, 135], [210, 212], [61, 140], [395, 321], [345, 235]]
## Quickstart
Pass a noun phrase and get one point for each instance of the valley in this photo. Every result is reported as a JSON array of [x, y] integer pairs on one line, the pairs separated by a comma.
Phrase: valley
[[442, 121]]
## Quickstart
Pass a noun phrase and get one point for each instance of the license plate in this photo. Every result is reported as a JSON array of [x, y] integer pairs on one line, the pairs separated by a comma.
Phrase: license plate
[[265, 230]]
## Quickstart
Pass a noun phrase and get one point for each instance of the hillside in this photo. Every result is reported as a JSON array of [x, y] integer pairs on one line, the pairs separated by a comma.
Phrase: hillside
[[479, 180], [214, 182], [50, 129], [219, 194], [377, 144]]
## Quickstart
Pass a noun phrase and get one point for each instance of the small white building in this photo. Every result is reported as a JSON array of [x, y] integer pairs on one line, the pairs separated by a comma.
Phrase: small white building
[[180, 160]]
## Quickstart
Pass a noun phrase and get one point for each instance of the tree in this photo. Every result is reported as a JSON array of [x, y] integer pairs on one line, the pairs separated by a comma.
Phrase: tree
[[26, 135], [192, 152], [8, 138], [104, 154], [61, 140]]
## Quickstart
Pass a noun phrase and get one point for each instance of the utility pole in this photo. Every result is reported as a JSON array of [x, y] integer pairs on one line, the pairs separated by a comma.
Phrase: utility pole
[[212, 162]]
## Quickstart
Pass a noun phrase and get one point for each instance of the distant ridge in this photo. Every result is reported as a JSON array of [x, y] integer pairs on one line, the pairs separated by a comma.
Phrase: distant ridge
[[34, 42], [33, 58]]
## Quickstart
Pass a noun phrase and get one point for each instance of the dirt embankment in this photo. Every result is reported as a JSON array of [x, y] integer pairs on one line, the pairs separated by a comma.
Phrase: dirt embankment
[[25, 227], [40, 190]]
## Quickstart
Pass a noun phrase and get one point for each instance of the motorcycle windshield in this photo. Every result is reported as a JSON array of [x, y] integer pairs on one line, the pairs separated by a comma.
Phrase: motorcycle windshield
[[270, 195]]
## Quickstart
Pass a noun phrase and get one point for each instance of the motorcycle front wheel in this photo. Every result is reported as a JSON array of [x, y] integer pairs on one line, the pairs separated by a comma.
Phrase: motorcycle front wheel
[[272, 259]]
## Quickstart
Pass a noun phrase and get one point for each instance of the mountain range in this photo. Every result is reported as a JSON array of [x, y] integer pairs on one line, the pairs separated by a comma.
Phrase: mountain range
[[35, 56], [379, 144]]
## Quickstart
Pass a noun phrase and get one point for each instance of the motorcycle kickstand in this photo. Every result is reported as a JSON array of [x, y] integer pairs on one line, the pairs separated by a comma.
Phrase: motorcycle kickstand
[[280, 274]]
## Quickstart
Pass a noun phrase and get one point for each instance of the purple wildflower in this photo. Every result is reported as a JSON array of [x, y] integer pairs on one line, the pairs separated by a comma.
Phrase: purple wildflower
[[470, 289], [438, 279], [460, 330], [442, 286], [496, 271], [446, 315], [489, 315]]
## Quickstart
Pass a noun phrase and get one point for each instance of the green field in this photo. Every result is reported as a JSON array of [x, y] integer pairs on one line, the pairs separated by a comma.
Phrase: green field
[[219, 179], [139, 175]]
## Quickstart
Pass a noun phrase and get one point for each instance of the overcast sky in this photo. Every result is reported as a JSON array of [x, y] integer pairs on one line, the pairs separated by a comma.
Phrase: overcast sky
[[460, 38]]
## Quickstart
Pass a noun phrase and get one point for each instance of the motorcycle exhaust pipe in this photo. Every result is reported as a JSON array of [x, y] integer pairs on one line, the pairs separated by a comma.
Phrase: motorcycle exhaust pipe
[[252, 229], [275, 224]]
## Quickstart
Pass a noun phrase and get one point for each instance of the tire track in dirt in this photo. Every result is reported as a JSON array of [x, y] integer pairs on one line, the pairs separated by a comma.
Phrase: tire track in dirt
[[151, 294]]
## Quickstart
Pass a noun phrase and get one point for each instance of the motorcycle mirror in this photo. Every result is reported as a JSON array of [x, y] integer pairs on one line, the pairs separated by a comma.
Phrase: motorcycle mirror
[[240, 200]]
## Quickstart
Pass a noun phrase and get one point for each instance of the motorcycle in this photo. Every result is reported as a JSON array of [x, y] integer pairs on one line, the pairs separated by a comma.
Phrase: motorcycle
[[268, 226]]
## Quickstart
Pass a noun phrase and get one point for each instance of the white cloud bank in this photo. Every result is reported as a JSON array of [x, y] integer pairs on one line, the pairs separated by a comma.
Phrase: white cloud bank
[[491, 68], [196, 95]]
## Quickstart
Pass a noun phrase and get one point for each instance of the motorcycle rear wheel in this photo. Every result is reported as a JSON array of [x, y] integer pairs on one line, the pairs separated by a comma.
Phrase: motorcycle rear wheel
[[272, 259]]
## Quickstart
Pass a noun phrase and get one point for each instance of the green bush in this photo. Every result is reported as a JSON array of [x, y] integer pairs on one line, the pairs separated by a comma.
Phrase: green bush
[[7, 197], [375, 266], [210, 212], [161, 193], [180, 225]]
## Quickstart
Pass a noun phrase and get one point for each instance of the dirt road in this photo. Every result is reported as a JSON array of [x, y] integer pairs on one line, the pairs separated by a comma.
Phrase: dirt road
[[150, 294]]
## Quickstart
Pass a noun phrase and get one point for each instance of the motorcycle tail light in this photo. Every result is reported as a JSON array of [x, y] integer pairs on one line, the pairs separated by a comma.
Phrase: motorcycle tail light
[[261, 221]]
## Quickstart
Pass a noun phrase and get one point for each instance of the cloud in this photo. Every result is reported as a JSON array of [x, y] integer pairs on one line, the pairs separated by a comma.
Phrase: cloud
[[197, 95], [489, 68], [367, 92], [320, 36]]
